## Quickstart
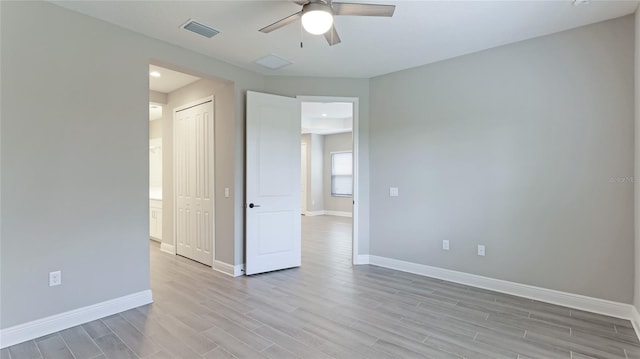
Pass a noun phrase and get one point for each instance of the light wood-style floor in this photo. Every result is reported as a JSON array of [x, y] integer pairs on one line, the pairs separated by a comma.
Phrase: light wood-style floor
[[330, 309]]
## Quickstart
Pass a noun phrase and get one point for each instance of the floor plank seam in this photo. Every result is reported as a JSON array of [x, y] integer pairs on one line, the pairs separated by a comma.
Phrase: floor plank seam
[[93, 341], [38, 347], [68, 347], [261, 351], [119, 338]]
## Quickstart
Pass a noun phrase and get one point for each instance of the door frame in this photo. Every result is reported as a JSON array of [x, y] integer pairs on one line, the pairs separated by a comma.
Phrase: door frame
[[306, 176], [213, 176], [355, 130]]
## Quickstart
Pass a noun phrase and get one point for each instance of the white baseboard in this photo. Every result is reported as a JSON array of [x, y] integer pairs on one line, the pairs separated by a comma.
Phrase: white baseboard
[[635, 320], [576, 301], [228, 269], [314, 213], [169, 248], [39, 327], [238, 270], [361, 259], [328, 213], [338, 213]]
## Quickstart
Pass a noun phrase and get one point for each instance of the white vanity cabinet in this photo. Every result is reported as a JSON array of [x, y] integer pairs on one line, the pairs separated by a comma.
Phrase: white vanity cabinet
[[155, 219]]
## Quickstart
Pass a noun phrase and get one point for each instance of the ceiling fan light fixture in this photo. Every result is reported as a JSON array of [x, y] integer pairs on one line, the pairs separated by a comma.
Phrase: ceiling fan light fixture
[[317, 18]]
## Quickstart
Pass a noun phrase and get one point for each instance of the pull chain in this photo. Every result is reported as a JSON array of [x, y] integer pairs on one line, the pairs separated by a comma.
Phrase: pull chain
[[301, 35]]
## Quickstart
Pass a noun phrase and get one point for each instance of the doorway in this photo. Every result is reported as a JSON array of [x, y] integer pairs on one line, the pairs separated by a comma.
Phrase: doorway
[[182, 192], [329, 170], [272, 169]]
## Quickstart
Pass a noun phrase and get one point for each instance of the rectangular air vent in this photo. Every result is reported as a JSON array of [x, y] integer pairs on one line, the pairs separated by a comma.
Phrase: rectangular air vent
[[200, 29]]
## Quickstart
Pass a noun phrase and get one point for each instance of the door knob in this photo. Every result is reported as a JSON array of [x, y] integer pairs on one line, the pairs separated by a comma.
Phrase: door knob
[[251, 205]]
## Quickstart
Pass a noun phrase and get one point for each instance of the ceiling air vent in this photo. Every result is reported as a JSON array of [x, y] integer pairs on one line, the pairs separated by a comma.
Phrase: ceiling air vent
[[273, 62], [200, 29]]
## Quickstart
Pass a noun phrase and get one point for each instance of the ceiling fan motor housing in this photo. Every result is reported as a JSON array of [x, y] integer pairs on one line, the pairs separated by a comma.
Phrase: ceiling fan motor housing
[[317, 17], [317, 6]]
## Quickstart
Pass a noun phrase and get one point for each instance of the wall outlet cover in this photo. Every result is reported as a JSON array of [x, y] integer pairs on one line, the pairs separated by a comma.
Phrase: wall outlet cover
[[55, 278], [393, 191], [445, 244]]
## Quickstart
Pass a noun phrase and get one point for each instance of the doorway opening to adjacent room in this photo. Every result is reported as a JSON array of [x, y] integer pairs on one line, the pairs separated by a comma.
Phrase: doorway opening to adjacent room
[[329, 178], [181, 161], [273, 179]]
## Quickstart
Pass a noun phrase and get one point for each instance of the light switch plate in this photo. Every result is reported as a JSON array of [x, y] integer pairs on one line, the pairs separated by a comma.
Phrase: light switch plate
[[226, 192], [445, 244], [481, 250], [393, 191]]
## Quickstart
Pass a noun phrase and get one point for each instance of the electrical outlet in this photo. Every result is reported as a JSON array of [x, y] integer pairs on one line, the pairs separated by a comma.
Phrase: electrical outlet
[[445, 244], [55, 278], [226, 192], [393, 191], [481, 250]]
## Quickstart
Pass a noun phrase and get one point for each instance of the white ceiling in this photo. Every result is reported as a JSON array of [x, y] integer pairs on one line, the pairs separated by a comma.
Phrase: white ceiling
[[169, 80], [420, 32], [327, 118]]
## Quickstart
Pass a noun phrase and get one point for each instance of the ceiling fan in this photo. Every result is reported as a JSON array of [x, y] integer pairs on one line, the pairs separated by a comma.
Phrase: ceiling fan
[[317, 16]]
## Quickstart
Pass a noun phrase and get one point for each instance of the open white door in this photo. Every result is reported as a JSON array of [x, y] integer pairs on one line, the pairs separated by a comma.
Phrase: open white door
[[273, 183]]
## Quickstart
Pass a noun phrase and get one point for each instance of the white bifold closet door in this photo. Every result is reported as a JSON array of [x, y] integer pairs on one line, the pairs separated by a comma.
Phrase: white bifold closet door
[[194, 182]]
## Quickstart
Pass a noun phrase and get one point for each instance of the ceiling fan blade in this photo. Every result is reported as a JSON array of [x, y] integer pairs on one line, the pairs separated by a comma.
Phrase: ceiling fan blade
[[332, 36], [344, 8], [281, 23]]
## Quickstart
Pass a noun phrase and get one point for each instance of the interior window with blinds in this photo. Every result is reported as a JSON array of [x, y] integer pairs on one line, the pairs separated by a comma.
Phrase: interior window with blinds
[[342, 174]]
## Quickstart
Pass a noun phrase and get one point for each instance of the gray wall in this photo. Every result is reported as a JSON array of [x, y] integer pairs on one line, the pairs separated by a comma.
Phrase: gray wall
[[155, 128], [636, 298], [306, 139], [157, 97], [1, 167], [519, 148], [75, 168], [312, 86], [314, 172], [316, 151], [224, 162], [335, 143]]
